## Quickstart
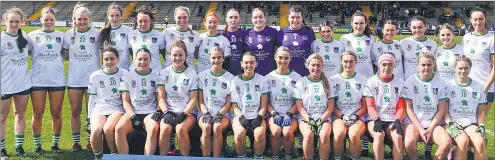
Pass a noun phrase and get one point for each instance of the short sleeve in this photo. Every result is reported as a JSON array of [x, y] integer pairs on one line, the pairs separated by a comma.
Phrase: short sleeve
[[401, 44], [312, 36], [313, 47], [492, 48], [375, 53], [297, 91], [226, 47], [124, 83], [406, 91], [444, 92], [483, 99], [66, 45], [163, 44], [92, 88], [265, 88], [280, 36], [30, 44], [234, 96], [200, 83], [368, 89], [333, 92], [195, 84], [161, 78]]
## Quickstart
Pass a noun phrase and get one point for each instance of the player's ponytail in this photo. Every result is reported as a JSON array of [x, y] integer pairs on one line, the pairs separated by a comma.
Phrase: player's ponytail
[[226, 23], [21, 41], [105, 38], [326, 84], [297, 8]]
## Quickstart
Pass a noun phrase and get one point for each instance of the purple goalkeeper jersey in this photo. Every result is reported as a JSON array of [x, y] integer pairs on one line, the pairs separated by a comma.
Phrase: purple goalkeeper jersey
[[237, 49], [262, 44], [299, 42]]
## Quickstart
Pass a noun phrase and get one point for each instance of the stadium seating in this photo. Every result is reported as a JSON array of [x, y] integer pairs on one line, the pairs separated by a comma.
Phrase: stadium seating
[[29, 8]]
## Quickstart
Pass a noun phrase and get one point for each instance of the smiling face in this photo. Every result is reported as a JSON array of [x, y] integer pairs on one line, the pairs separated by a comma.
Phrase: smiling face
[[143, 61], [216, 59], [389, 31], [248, 64], [462, 69], [182, 19], [282, 58], [211, 23], [110, 60], [114, 17], [418, 29], [478, 20], [295, 20], [358, 24], [348, 63], [315, 67], [446, 36], [178, 56], [233, 19], [326, 33], [82, 21], [425, 66], [47, 21], [258, 19], [143, 22]]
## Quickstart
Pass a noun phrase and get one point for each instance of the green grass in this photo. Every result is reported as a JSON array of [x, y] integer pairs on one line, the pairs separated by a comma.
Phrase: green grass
[[66, 137]]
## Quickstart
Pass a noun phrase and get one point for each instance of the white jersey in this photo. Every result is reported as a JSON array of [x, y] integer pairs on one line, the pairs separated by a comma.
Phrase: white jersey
[[48, 63], [464, 101], [445, 61], [151, 40], [313, 97], [425, 96], [282, 90], [215, 88], [361, 45], [381, 47], [410, 49], [479, 48], [330, 51], [120, 41], [208, 42], [190, 37], [385, 94], [177, 87], [15, 76], [246, 93], [105, 86], [142, 90], [84, 55], [347, 92]]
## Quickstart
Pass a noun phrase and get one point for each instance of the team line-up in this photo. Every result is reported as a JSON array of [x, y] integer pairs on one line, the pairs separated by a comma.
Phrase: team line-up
[[252, 81]]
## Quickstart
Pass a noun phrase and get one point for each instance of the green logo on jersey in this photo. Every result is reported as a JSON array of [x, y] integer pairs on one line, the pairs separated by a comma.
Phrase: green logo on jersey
[[359, 49], [144, 92], [284, 91], [387, 99], [213, 92], [144, 46], [114, 43], [114, 90], [348, 94], [82, 47], [248, 97], [464, 102], [317, 98], [206, 50], [417, 54], [427, 99], [471, 51], [327, 57], [175, 87], [49, 46], [445, 63]]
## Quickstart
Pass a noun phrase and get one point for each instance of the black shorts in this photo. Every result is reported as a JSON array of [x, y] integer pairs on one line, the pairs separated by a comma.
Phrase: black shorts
[[385, 124], [48, 88], [489, 97], [77, 88], [141, 116], [21, 93]]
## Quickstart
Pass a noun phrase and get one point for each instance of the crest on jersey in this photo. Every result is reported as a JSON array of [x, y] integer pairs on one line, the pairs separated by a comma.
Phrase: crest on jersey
[[190, 38], [452, 94], [206, 82], [269, 38], [153, 83], [134, 39], [172, 36], [153, 39], [377, 90], [358, 86], [396, 46], [250, 40], [409, 47], [185, 81], [256, 87], [305, 37], [475, 94], [293, 83], [349, 44], [238, 89], [428, 48], [285, 38], [102, 84], [483, 44], [133, 83], [337, 87], [396, 90], [416, 90], [38, 39], [58, 39], [9, 44], [435, 91], [380, 49], [224, 85], [166, 79], [259, 38], [274, 83], [122, 35], [92, 39], [72, 39], [335, 49], [367, 42]]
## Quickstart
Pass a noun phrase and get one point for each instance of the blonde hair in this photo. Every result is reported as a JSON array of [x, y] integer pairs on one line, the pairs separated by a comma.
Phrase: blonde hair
[[47, 10], [217, 49], [346, 53], [182, 8], [79, 8], [463, 58], [281, 49], [428, 55], [326, 84], [446, 26]]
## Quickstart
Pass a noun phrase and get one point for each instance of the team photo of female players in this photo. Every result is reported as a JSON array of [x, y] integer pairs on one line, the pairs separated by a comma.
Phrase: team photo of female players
[[273, 88]]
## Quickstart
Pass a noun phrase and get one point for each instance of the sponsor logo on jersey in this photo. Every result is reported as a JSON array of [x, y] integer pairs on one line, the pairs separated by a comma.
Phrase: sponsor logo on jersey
[[409, 47], [102, 84], [285, 38], [269, 38], [452, 94], [377, 90], [335, 49], [435, 91], [190, 38], [358, 86], [259, 38], [122, 35], [153, 39], [133, 83], [206, 82], [58, 39], [305, 37], [10, 46], [475, 94], [224, 85], [416, 90], [349, 44], [238, 89], [274, 83], [396, 90], [250, 40], [92, 39], [337, 87], [185, 81], [172, 36], [38, 39], [153, 83], [256, 88]]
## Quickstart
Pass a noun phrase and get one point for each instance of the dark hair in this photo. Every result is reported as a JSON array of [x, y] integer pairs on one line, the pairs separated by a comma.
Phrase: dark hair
[[143, 50], [21, 41], [105, 38], [250, 54], [418, 18], [188, 15], [144, 10], [478, 9], [297, 8], [326, 23], [179, 44], [110, 49], [367, 30], [227, 24]]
